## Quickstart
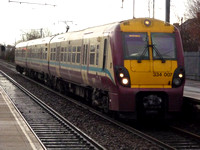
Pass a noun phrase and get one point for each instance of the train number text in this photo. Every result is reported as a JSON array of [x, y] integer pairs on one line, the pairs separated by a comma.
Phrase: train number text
[[162, 74]]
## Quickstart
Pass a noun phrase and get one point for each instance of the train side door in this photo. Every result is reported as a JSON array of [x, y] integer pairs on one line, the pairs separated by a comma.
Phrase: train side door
[[85, 61], [104, 57], [105, 47]]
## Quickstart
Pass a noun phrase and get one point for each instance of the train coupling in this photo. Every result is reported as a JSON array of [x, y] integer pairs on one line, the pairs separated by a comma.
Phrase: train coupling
[[152, 103]]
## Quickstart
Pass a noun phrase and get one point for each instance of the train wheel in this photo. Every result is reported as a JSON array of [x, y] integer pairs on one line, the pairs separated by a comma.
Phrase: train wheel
[[21, 71], [48, 81], [105, 104], [60, 86]]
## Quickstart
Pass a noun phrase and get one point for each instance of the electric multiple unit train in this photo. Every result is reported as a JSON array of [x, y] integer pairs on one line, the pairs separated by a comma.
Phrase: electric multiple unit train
[[130, 67]]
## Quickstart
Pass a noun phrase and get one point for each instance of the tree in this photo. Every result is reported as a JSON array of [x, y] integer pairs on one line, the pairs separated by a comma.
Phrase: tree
[[193, 7], [190, 29], [35, 34]]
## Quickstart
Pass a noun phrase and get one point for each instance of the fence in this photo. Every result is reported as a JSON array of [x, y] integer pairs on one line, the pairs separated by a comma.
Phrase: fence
[[192, 65]]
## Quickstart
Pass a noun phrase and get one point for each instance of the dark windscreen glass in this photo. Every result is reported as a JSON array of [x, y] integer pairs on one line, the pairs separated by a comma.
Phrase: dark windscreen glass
[[165, 44], [134, 45]]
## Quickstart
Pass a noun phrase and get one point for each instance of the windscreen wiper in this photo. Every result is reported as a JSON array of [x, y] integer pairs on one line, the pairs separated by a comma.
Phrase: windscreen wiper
[[158, 53], [142, 55]]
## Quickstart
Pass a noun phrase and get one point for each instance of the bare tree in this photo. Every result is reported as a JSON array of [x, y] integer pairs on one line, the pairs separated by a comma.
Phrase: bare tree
[[35, 34], [190, 29], [46, 32], [193, 7]]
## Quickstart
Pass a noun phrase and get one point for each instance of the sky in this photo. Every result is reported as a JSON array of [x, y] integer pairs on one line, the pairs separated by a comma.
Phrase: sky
[[17, 19]]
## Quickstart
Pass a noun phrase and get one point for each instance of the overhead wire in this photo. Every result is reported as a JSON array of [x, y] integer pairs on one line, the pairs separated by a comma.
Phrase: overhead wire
[[20, 2]]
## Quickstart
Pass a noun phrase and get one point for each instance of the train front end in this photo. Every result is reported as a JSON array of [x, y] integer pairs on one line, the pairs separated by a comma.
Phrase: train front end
[[151, 74]]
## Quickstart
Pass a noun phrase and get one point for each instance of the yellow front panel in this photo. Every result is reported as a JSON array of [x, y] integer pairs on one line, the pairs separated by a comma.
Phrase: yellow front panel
[[145, 75], [145, 66], [149, 73], [158, 66]]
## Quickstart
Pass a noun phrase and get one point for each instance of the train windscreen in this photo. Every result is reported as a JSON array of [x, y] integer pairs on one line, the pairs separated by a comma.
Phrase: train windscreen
[[135, 45], [164, 45]]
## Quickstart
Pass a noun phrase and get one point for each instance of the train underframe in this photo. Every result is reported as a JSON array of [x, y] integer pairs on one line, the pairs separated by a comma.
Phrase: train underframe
[[93, 96]]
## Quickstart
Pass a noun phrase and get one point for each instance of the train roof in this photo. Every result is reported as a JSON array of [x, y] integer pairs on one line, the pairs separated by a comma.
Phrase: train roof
[[102, 30], [45, 40], [86, 33], [22, 44]]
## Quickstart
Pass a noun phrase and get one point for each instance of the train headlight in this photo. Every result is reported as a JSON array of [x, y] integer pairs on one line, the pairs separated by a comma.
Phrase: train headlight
[[147, 22], [178, 77], [125, 81], [122, 75]]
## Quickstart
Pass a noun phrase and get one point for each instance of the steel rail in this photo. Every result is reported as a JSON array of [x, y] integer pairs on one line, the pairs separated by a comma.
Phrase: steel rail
[[56, 115], [187, 133]]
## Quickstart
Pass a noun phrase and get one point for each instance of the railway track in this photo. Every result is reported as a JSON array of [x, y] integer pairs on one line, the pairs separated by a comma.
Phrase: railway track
[[169, 138], [187, 134], [172, 138], [54, 131], [175, 137]]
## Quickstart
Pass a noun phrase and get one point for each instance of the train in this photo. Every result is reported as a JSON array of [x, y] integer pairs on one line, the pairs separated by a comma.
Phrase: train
[[134, 68]]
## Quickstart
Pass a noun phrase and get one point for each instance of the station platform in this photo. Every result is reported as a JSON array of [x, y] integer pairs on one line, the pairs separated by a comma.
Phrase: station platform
[[14, 132], [192, 90]]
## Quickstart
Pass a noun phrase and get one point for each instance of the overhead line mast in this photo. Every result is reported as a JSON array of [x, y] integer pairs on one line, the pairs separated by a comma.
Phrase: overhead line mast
[[31, 3], [167, 13], [133, 7]]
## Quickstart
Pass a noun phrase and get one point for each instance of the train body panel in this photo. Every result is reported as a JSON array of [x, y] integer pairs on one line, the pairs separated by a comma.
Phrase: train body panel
[[125, 100], [33, 52], [130, 66]]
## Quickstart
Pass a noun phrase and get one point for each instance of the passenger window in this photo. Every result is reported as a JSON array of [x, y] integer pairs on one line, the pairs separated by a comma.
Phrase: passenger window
[[69, 54], [92, 54], [97, 55], [45, 53], [74, 55], [58, 54], [65, 54], [54, 54], [78, 54]]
